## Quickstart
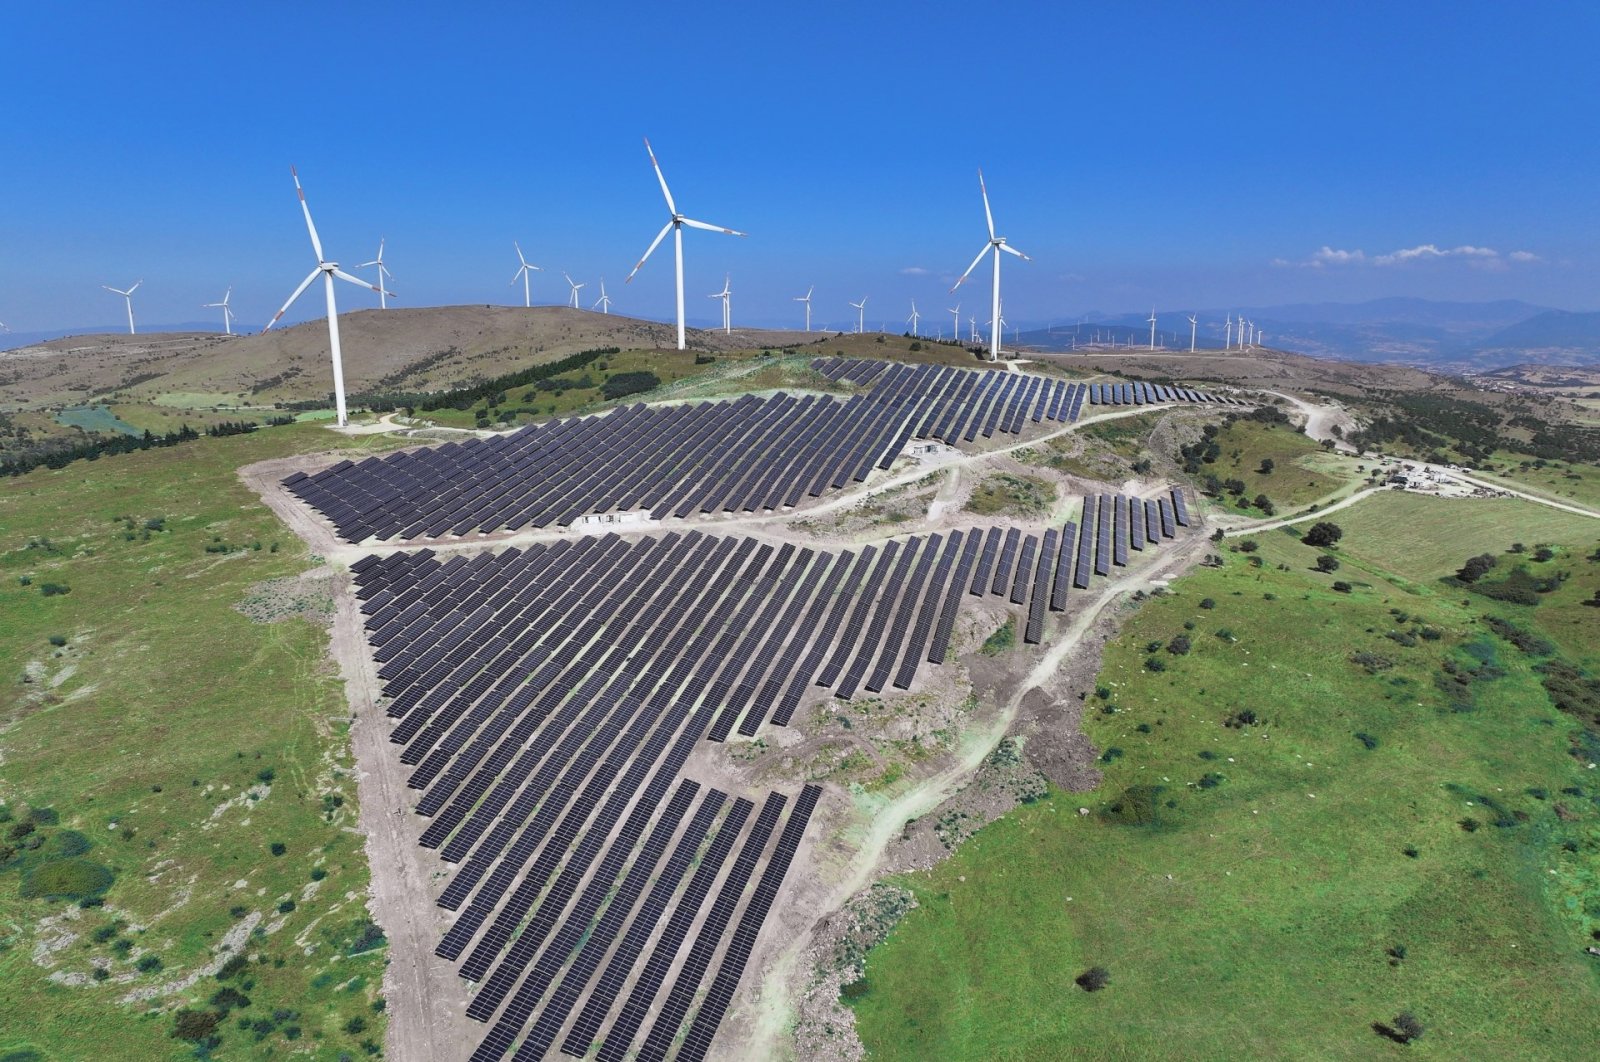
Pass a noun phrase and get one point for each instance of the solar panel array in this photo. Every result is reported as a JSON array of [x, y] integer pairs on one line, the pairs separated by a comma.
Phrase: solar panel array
[[548, 698], [742, 455]]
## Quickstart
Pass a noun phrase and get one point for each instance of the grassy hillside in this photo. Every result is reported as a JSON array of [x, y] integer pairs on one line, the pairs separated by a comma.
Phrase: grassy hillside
[[150, 728], [1400, 826]]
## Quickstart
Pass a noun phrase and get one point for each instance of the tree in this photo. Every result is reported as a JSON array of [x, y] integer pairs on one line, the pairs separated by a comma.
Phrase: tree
[[1323, 534], [1267, 465], [1094, 979], [1476, 567], [1327, 564], [1406, 1028], [1264, 503], [1179, 646], [1248, 546]]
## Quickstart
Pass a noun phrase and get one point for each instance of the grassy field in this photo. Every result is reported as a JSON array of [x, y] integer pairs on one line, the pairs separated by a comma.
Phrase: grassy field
[[150, 728], [95, 418], [1270, 886], [1003, 494], [1302, 473], [1574, 481]]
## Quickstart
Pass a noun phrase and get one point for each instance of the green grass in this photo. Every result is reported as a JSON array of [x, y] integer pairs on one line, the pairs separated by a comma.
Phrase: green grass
[[1252, 917], [1572, 481], [1004, 494], [1302, 473], [96, 419], [164, 705]]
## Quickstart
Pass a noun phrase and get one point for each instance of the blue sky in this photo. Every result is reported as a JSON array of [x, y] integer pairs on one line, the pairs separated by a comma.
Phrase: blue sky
[[1179, 154]]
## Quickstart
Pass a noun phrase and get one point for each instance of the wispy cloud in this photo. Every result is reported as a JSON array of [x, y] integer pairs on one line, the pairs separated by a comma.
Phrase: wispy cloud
[[915, 271], [1475, 256]]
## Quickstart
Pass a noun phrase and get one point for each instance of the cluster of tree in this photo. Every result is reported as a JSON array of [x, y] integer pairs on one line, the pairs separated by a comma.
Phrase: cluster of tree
[[629, 383], [58, 453], [1203, 451], [492, 391], [1427, 422]]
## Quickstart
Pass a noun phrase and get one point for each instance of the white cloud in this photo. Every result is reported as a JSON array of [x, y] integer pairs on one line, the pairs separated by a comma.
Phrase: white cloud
[[915, 271], [1332, 256], [1523, 256]]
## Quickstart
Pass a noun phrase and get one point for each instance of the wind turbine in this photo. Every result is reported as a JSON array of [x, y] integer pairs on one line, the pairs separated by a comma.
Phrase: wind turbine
[[227, 311], [604, 301], [1227, 333], [1240, 332], [972, 319], [727, 290], [807, 300], [383, 271], [524, 271], [914, 318], [996, 244], [574, 299], [1152, 328], [861, 315], [1191, 332], [955, 329], [329, 270], [675, 223], [128, 295]]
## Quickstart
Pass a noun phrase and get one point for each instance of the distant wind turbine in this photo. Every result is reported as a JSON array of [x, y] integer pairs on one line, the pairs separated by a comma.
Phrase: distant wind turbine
[[328, 270], [807, 300], [1227, 333], [724, 295], [383, 272], [675, 224], [995, 244], [861, 314], [574, 299], [524, 271], [604, 301], [1191, 333], [1152, 328], [227, 311], [955, 329], [914, 318], [972, 319], [127, 295]]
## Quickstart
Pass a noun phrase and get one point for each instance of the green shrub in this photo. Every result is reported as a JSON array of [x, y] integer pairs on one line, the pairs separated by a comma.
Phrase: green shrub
[[66, 879], [1138, 805], [629, 383]]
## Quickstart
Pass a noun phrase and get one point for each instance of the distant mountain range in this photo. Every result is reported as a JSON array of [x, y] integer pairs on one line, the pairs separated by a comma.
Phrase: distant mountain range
[[1454, 336]]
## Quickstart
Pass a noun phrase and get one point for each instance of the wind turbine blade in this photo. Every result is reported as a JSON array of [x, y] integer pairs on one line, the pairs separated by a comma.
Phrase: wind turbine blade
[[304, 284], [988, 215], [711, 228], [665, 191], [342, 275], [516, 276], [971, 267], [316, 244], [809, 291], [364, 265], [653, 245], [135, 287], [1012, 250]]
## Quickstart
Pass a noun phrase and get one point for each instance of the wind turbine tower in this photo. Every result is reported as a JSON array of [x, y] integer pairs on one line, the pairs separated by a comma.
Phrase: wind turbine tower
[[574, 296], [955, 328], [227, 311], [128, 297], [524, 271], [604, 301], [996, 244], [1152, 328], [914, 318], [861, 314], [725, 294], [328, 271], [675, 224], [1227, 333], [806, 298], [1192, 320], [383, 272]]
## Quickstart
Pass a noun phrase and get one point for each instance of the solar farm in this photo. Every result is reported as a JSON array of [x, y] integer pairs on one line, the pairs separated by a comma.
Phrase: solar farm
[[572, 626]]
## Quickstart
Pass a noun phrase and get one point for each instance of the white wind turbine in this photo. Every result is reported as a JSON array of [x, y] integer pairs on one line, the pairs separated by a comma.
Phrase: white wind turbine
[[972, 319], [383, 272], [914, 318], [524, 271], [227, 311], [724, 295], [675, 223], [604, 301], [861, 313], [328, 270], [1240, 332], [1227, 333], [127, 295], [995, 244], [955, 329], [573, 301], [1152, 328], [1192, 320], [807, 300]]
